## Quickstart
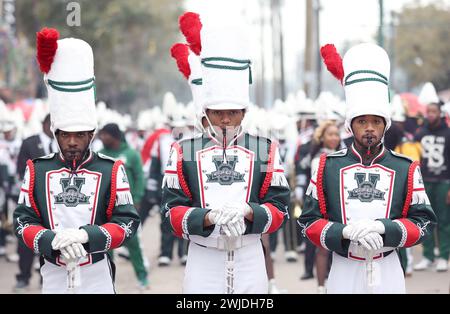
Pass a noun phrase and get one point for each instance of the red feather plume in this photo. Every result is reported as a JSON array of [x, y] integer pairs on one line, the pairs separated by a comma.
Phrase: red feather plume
[[333, 61], [190, 26], [47, 44], [180, 53]]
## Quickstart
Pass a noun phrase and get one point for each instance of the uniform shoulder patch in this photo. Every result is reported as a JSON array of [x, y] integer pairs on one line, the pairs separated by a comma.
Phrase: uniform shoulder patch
[[105, 157], [395, 154], [339, 153]]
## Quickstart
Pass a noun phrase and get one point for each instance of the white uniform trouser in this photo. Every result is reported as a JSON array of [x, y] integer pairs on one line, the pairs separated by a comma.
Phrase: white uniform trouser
[[95, 278], [206, 270], [349, 276]]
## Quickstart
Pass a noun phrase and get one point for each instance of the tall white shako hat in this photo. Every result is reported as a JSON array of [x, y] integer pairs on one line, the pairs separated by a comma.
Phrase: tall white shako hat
[[428, 94], [6, 118], [226, 67], [68, 67], [364, 73]]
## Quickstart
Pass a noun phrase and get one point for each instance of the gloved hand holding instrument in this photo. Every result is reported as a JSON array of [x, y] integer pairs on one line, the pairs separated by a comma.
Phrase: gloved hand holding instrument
[[70, 242]]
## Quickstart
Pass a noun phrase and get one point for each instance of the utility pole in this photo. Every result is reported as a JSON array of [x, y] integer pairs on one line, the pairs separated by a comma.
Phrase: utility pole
[[281, 43], [278, 58], [1, 12], [7, 15], [7, 35], [313, 63], [308, 66], [380, 30], [261, 96], [317, 9], [274, 52], [392, 52]]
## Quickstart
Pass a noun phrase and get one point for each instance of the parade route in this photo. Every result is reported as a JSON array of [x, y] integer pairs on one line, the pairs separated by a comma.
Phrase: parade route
[[168, 280]]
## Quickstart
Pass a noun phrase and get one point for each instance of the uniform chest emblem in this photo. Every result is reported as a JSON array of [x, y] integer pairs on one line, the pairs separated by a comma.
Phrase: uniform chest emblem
[[366, 191], [71, 195], [225, 173]]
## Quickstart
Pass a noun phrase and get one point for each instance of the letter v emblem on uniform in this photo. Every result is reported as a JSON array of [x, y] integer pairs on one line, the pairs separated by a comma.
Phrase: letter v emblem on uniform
[[367, 189]]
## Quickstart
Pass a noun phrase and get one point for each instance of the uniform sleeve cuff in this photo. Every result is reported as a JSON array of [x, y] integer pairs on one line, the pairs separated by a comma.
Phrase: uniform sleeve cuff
[[334, 240], [45, 244], [393, 233], [98, 241], [195, 223], [260, 219]]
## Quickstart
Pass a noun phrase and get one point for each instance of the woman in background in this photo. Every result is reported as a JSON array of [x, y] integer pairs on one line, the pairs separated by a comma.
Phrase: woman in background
[[326, 139]]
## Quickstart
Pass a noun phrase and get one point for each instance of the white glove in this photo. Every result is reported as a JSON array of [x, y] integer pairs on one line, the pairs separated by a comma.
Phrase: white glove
[[347, 231], [363, 227], [244, 208], [372, 241], [247, 209], [69, 236], [378, 227], [214, 215], [73, 251], [227, 215], [224, 215], [235, 227]]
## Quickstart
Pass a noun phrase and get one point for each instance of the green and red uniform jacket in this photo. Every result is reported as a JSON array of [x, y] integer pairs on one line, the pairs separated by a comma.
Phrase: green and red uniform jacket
[[95, 197], [201, 175], [390, 190]]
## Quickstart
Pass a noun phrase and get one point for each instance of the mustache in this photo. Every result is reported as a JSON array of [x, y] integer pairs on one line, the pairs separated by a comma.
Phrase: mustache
[[73, 154], [370, 137], [73, 151]]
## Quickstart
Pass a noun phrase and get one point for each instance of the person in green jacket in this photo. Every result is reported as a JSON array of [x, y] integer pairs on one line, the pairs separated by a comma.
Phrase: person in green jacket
[[115, 146]]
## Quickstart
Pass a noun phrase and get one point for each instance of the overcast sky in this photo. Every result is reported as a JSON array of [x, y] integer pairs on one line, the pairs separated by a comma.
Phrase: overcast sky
[[340, 21]]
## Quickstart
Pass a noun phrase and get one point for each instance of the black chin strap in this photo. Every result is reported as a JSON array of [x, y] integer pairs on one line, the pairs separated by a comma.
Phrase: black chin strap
[[74, 164], [369, 141], [224, 145]]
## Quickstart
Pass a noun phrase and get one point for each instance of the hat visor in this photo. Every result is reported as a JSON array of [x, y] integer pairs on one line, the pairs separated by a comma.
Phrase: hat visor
[[226, 106], [77, 128], [178, 124], [7, 127]]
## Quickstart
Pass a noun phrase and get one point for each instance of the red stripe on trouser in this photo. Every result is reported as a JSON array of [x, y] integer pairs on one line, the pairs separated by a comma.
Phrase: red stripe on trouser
[[117, 234], [412, 232], [314, 231], [277, 217], [176, 219], [29, 233]]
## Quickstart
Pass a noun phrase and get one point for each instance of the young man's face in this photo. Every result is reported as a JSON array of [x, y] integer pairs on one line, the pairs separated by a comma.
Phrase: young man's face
[[9, 135], [368, 130], [225, 119], [73, 144], [331, 138], [107, 139], [433, 114]]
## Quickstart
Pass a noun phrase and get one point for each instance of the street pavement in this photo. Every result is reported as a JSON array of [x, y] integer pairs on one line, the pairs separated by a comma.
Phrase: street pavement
[[168, 280]]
